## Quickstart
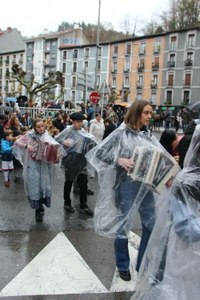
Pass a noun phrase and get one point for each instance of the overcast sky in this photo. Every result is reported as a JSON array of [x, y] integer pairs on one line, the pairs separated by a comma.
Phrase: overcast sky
[[32, 17]]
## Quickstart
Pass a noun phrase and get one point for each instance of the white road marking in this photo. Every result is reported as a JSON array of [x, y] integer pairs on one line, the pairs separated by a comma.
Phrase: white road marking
[[119, 285], [57, 269]]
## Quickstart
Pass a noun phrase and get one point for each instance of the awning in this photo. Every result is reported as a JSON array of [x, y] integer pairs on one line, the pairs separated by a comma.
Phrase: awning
[[124, 104]]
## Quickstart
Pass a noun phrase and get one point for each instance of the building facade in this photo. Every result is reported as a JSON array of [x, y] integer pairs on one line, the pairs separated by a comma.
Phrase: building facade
[[163, 69]]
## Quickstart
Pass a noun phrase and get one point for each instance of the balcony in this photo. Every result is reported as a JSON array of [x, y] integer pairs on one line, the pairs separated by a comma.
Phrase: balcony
[[140, 67], [114, 71], [156, 49], [114, 54], [141, 51], [189, 44], [126, 70], [139, 85], [188, 63], [155, 67], [171, 64], [154, 85]]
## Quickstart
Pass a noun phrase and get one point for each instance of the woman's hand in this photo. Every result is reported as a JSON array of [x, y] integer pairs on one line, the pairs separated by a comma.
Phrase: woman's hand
[[68, 142], [126, 163], [170, 182], [31, 148]]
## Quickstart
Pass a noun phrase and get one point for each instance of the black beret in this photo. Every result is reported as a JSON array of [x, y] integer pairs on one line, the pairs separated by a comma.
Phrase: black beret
[[77, 116]]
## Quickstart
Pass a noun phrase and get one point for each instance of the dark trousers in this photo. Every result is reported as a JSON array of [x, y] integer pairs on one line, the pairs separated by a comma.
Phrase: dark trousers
[[82, 181]]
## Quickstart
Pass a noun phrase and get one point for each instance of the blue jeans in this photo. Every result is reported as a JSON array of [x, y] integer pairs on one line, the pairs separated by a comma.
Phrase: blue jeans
[[126, 194]]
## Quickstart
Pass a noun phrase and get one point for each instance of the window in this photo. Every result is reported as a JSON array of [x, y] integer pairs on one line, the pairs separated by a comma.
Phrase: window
[[173, 41], [99, 51], [169, 97], [98, 81], [189, 59], [156, 46], [127, 65], [53, 43], [64, 68], [73, 82], [1, 60], [187, 79], [114, 82], [65, 54], [48, 46], [99, 65], [171, 79], [126, 81], [142, 48], [154, 83], [139, 83], [75, 53], [74, 67], [171, 62], [128, 49], [53, 56], [115, 51], [114, 68], [87, 52], [86, 64], [190, 41], [73, 95], [186, 97]]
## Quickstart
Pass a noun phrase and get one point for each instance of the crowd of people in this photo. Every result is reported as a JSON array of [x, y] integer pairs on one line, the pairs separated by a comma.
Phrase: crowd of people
[[121, 150]]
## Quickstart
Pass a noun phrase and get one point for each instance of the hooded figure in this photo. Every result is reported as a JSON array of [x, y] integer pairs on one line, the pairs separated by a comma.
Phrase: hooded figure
[[171, 265]]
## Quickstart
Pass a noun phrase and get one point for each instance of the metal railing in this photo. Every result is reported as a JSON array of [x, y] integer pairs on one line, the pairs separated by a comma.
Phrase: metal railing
[[43, 112]]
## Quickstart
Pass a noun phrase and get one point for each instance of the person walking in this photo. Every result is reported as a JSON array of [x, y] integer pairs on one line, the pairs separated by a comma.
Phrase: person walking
[[38, 152], [171, 265], [120, 197], [76, 143], [97, 127]]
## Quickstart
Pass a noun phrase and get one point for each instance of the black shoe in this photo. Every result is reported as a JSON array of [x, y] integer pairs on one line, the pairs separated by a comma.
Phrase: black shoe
[[17, 179], [125, 275], [69, 208], [38, 215], [41, 209], [86, 210], [90, 192], [76, 191]]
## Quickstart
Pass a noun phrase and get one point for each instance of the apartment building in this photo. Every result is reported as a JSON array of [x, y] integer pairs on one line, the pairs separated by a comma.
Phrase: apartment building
[[78, 64], [136, 68], [161, 68], [43, 54], [12, 51], [181, 73]]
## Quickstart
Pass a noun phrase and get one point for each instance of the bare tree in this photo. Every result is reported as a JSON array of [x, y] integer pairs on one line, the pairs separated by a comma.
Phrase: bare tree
[[33, 88]]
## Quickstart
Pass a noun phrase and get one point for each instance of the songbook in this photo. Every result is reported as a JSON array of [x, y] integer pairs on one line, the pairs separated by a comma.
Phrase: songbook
[[153, 167]]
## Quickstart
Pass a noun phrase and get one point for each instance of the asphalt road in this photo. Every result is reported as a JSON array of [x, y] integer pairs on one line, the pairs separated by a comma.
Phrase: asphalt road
[[29, 251]]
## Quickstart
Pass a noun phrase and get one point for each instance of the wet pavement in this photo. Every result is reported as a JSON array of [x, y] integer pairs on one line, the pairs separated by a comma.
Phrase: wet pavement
[[25, 246], [22, 240]]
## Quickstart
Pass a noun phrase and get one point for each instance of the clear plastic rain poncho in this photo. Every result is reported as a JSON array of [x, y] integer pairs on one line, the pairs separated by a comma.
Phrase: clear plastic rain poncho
[[171, 265], [122, 195], [38, 165], [74, 159]]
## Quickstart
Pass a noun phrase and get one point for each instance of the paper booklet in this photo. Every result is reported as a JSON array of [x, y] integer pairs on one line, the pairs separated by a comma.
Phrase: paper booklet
[[153, 167]]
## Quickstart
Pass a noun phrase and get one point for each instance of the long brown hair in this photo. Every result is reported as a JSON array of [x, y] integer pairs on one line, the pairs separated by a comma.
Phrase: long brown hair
[[134, 113]]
